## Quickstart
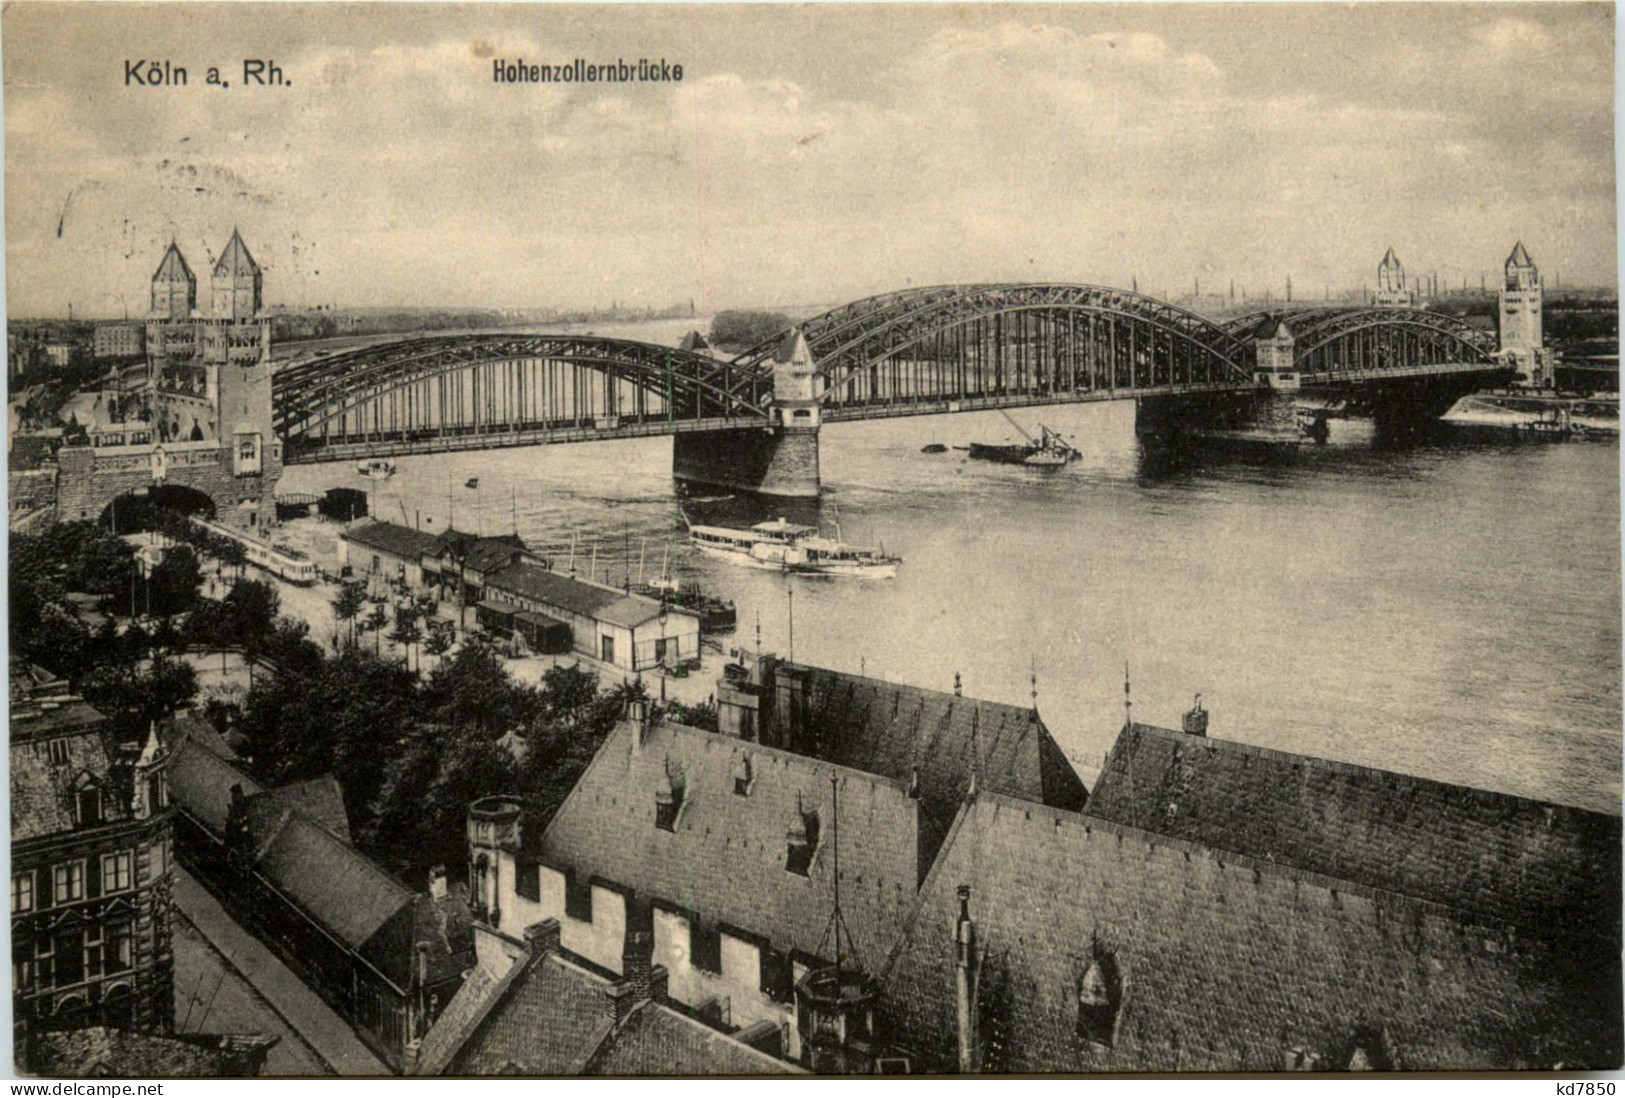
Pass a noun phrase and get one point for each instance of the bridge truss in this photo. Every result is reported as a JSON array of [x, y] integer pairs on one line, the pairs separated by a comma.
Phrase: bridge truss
[[1339, 344], [468, 392], [998, 345]]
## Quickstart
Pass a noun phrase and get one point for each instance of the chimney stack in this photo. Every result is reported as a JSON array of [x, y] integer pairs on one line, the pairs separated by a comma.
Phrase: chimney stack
[[542, 938], [967, 975], [619, 1000], [637, 711], [637, 951], [437, 883]]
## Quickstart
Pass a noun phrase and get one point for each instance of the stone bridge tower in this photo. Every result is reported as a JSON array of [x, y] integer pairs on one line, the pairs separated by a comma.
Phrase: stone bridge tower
[[1523, 341], [205, 422]]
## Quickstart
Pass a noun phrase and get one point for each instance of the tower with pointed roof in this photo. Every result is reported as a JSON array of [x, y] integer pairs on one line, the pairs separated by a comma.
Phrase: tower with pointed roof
[[174, 287], [1522, 336], [236, 283], [1391, 288]]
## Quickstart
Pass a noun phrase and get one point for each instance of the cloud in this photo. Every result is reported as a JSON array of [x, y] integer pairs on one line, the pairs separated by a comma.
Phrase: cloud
[[974, 147]]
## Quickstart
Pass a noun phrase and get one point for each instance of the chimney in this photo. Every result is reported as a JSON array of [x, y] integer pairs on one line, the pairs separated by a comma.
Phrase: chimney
[[637, 951], [542, 938], [657, 983], [637, 711], [967, 975], [437, 883], [1196, 719], [619, 1000]]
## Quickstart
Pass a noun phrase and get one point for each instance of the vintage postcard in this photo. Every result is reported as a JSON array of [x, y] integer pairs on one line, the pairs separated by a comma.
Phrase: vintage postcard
[[780, 539]]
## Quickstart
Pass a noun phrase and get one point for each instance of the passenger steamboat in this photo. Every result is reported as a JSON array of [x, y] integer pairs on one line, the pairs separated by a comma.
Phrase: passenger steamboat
[[784, 546]]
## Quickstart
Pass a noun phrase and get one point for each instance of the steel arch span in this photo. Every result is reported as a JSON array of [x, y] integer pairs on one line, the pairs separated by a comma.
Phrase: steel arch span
[[476, 391], [1009, 343], [1341, 343]]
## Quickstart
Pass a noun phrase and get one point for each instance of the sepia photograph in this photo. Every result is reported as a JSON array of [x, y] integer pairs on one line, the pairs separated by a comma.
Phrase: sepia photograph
[[810, 539]]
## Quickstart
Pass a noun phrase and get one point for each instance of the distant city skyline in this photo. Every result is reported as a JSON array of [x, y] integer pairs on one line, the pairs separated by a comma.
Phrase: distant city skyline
[[809, 154]]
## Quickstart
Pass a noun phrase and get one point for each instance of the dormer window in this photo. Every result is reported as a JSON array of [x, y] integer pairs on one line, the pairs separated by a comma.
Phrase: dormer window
[[801, 842], [1100, 994], [87, 806], [668, 803]]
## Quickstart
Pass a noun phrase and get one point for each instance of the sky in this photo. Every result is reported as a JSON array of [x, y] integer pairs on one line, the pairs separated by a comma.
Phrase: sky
[[810, 154]]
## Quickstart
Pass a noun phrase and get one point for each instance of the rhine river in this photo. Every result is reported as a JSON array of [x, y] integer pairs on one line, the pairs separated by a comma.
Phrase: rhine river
[[1449, 610]]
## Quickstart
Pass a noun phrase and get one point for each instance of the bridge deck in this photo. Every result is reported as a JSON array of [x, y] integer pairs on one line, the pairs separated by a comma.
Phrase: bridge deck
[[496, 440]]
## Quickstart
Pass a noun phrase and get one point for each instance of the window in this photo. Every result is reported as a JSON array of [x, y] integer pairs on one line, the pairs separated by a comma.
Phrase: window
[[578, 898], [120, 947], [741, 775], [88, 806], [115, 872], [801, 843], [705, 947], [608, 649], [778, 981], [45, 962], [22, 965], [158, 862], [59, 752], [22, 892], [68, 882], [93, 952], [70, 958], [1100, 993]]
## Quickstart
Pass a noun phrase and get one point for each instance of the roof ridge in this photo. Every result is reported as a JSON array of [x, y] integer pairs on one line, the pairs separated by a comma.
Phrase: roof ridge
[[1176, 736], [1285, 870]]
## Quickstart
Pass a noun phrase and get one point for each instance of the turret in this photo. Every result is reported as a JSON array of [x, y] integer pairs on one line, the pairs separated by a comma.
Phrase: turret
[[174, 287], [1523, 338], [237, 283]]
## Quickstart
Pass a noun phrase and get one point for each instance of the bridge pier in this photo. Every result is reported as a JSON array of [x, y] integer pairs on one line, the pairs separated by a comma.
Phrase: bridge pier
[[770, 461], [1168, 420]]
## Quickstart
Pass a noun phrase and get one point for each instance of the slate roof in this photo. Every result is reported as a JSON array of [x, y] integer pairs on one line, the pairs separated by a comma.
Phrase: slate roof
[[1226, 963], [396, 540], [657, 1040], [1272, 327], [635, 610], [893, 731], [552, 1019], [319, 799], [42, 791], [200, 782], [340, 888], [188, 725], [173, 267], [480, 992], [102, 1053], [725, 860], [309, 860], [534, 582], [235, 262], [1489, 853]]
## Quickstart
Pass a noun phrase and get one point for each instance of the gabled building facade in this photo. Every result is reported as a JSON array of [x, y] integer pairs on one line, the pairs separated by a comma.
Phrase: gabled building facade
[[90, 871]]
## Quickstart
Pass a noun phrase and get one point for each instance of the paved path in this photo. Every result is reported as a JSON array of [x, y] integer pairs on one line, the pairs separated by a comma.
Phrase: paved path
[[211, 996], [300, 1007]]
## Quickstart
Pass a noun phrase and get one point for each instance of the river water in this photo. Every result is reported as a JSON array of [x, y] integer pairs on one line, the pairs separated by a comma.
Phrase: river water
[[1449, 609]]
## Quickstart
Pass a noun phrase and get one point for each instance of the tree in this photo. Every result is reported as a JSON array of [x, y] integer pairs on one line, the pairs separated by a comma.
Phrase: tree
[[347, 606], [173, 585], [374, 623], [133, 696], [407, 633], [231, 554], [251, 610], [441, 636]]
